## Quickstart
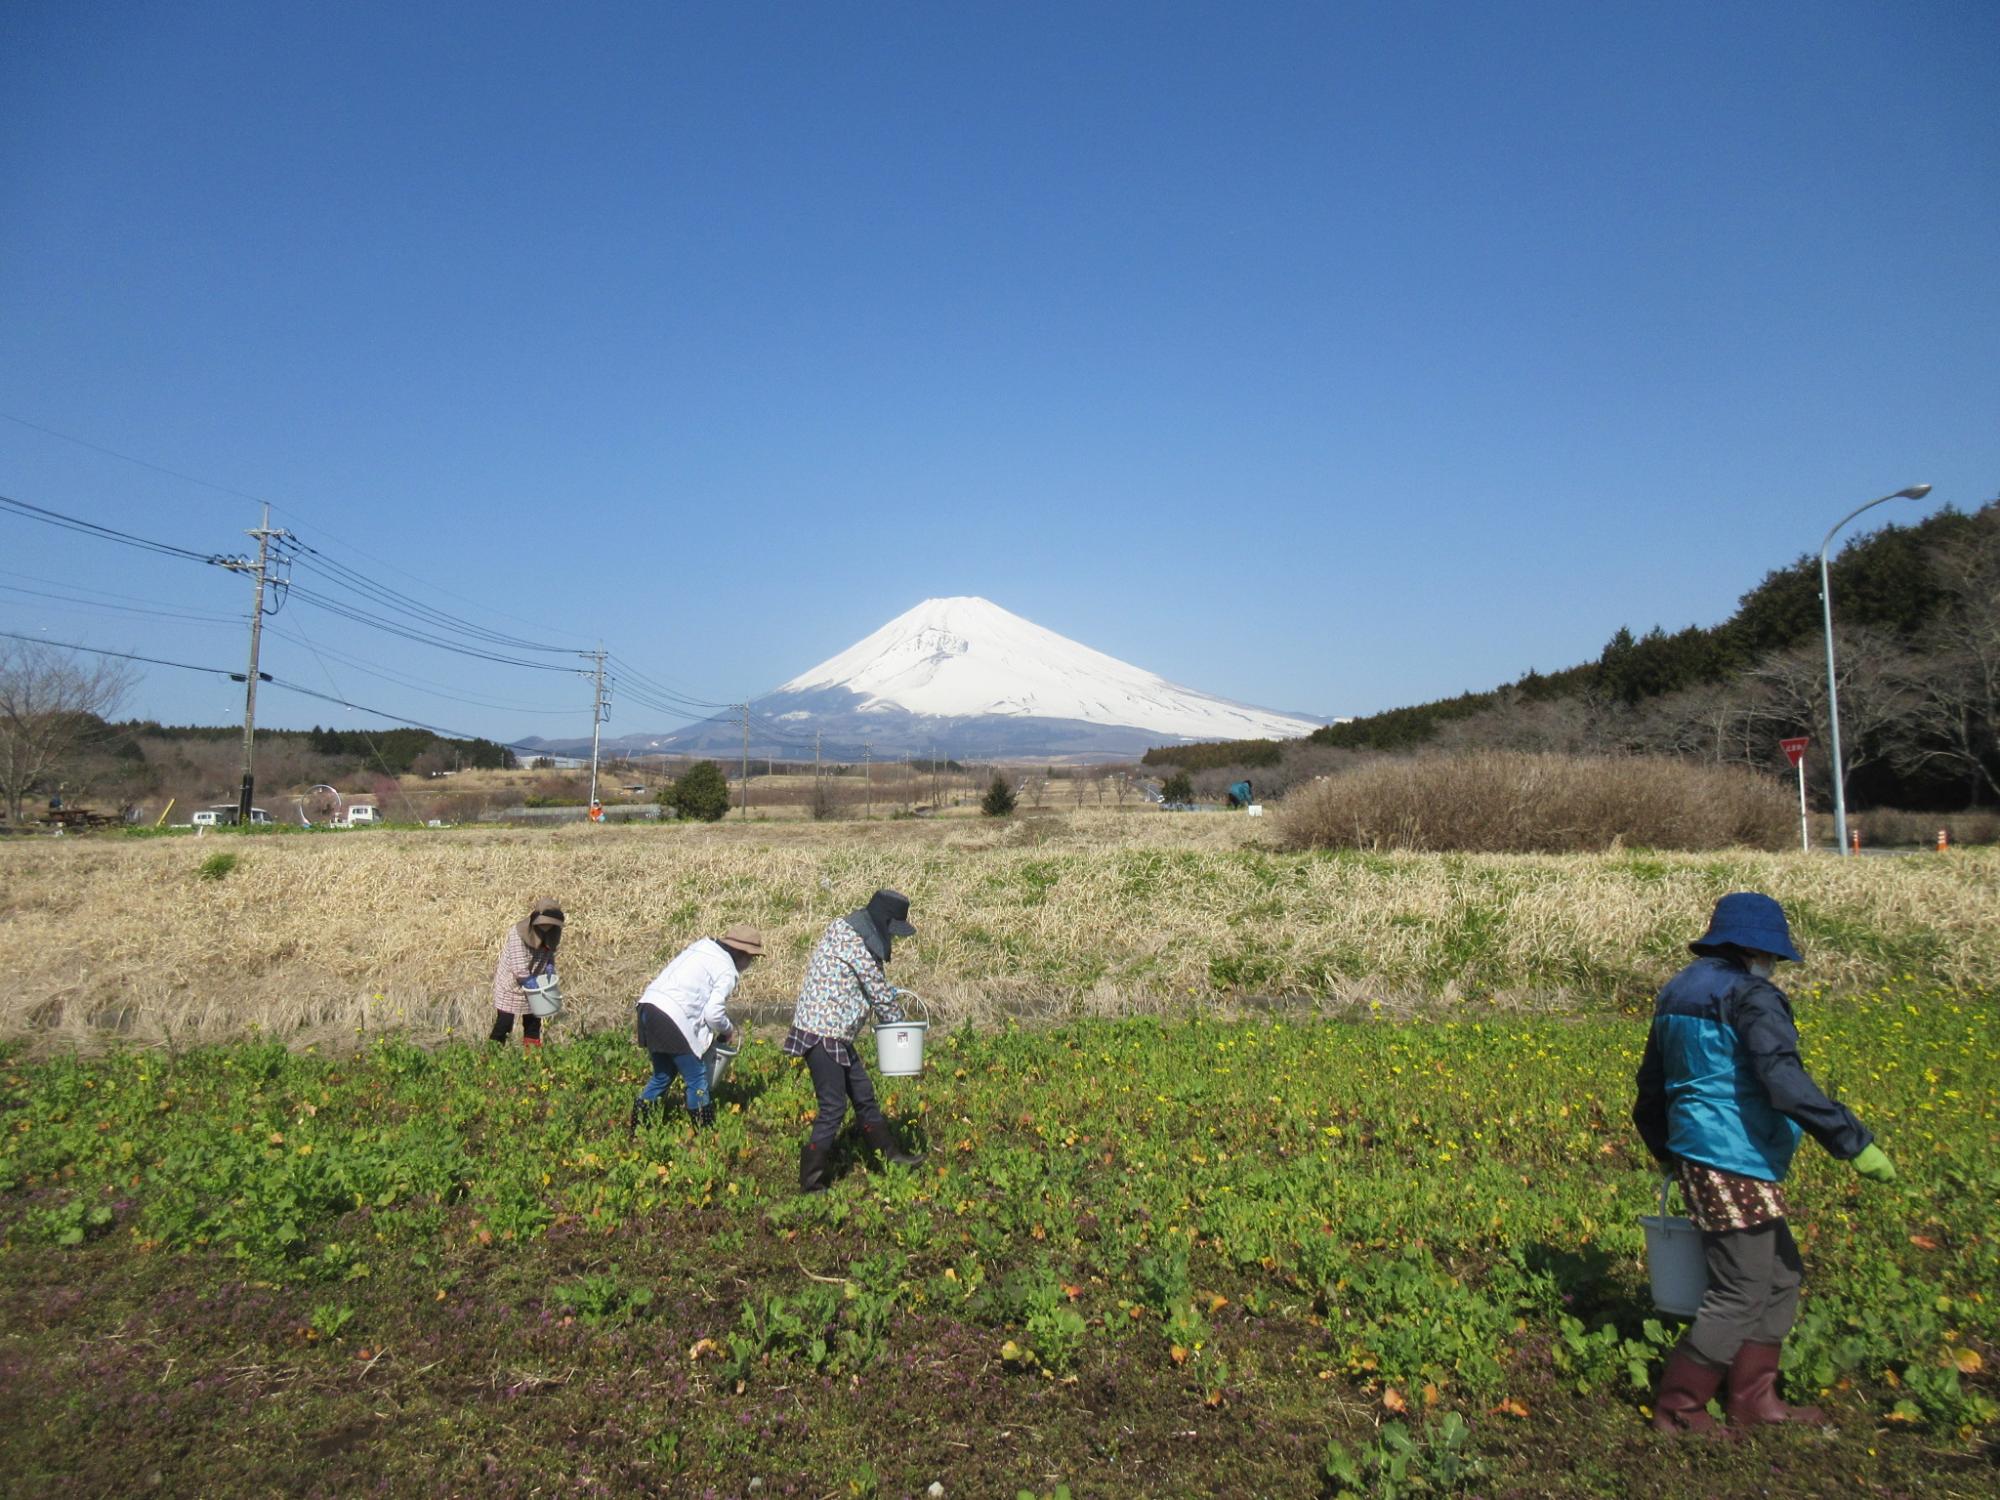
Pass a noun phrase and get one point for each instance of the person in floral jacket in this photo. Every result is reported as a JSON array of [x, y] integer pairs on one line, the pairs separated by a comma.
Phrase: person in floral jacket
[[528, 952], [844, 982]]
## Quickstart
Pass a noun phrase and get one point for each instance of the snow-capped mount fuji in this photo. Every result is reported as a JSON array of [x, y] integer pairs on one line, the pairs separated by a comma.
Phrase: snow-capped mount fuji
[[962, 676]]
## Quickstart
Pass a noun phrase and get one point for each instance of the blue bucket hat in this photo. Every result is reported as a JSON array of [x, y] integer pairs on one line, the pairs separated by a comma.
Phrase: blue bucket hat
[[1748, 919]]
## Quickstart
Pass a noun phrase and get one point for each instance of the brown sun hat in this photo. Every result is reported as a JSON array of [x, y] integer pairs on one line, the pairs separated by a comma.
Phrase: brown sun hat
[[744, 939]]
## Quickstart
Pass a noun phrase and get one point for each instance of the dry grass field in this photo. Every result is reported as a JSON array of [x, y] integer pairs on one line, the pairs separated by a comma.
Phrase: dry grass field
[[324, 937]]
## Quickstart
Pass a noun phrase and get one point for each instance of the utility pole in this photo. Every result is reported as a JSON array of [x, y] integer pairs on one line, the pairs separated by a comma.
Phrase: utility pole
[[260, 569], [597, 716], [815, 801], [868, 775], [746, 761]]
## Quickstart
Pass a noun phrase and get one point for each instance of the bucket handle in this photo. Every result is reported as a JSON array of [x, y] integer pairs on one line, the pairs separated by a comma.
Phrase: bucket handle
[[908, 998], [1667, 1182]]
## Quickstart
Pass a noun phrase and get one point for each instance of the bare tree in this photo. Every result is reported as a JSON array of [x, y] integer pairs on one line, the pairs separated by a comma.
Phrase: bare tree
[[1877, 694], [1957, 711], [51, 704]]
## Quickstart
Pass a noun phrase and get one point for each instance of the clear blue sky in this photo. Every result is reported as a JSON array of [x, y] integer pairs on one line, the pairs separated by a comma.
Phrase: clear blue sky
[[1328, 356]]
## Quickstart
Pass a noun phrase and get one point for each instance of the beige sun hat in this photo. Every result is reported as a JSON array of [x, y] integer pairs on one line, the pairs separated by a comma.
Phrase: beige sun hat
[[744, 939]]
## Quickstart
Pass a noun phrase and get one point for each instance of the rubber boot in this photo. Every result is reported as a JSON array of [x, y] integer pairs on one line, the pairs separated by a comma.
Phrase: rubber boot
[[812, 1169], [1752, 1398], [532, 1041], [703, 1118], [1686, 1386], [645, 1112], [882, 1141]]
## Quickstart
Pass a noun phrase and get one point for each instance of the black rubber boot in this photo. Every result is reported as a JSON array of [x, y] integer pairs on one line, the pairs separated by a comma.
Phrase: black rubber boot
[[644, 1112], [812, 1169], [704, 1118], [882, 1141]]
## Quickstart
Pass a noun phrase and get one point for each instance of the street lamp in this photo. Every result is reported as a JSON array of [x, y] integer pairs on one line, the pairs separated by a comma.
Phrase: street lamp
[[1914, 492]]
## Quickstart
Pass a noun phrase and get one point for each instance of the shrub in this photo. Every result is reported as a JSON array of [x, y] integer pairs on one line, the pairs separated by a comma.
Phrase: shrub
[[999, 798], [216, 866], [700, 792], [1177, 788], [1512, 802]]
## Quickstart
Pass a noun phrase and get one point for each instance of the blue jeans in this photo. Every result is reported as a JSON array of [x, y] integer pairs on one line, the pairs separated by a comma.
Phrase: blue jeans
[[693, 1070]]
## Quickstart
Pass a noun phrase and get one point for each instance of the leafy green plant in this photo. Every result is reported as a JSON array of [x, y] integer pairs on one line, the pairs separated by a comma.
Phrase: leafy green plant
[[602, 1298], [216, 866], [329, 1318], [1395, 1464]]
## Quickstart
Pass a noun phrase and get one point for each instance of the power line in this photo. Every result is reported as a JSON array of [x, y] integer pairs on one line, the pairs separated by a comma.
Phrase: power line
[[420, 684], [455, 734], [333, 606], [647, 700], [340, 575], [165, 613], [69, 437], [91, 528], [660, 688], [123, 655]]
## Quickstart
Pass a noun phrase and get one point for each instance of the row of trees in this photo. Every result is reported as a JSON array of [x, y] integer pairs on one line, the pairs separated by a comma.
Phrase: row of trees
[[59, 739]]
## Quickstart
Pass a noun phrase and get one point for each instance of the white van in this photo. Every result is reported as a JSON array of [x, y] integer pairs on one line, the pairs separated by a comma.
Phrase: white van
[[223, 814], [361, 813]]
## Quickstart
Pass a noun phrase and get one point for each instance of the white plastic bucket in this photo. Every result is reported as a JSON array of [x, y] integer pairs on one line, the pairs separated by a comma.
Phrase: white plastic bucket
[[1674, 1259], [720, 1058], [544, 993], [899, 1045]]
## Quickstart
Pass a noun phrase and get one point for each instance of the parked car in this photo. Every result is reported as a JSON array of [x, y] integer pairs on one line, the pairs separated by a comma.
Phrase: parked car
[[361, 813]]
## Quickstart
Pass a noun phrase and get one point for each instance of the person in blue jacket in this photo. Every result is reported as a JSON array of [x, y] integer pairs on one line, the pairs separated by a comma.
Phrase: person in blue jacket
[[1723, 1100]]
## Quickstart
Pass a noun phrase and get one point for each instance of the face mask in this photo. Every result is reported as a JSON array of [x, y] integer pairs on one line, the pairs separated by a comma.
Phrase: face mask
[[1763, 965]]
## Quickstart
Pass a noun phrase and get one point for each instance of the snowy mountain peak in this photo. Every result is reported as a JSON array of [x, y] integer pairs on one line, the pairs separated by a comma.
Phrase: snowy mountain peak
[[966, 657]]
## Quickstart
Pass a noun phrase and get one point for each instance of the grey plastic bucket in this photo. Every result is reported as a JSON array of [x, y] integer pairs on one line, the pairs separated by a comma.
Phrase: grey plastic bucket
[[899, 1045], [544, 993], [1674, 1259], [720, 1059]]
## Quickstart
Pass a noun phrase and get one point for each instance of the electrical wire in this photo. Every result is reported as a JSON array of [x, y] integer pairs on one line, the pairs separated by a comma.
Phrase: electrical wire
[[676, 711], [338, 574], [455, 734], [91, 528], [369, 669], [333, 606], [167, 613], [124, 655], [660, 689], [68, 437]]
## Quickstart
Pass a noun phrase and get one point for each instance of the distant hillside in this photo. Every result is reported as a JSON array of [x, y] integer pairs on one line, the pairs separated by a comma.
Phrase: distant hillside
[[1917, 612]]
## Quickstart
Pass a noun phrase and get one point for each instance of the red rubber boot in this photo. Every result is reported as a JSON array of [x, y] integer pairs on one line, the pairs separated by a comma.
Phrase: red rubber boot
[[1753, 1391], [1686, 1386]]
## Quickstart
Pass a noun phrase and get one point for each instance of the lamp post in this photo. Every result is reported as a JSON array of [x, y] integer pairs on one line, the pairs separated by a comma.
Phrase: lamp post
[[1914, 492]]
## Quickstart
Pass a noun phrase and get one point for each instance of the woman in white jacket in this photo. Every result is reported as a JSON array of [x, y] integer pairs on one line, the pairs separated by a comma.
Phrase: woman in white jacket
[[684, 1011]]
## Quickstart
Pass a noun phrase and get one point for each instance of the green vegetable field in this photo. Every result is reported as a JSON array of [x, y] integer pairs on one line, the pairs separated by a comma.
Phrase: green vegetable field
[[1278, 1257]]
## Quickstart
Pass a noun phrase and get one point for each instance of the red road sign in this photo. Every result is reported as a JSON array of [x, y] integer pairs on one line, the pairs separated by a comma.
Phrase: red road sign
[[1795, 750]]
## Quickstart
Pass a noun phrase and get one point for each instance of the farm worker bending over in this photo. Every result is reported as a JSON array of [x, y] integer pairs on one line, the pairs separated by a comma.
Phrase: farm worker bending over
[[1723, 1099], [530, 951], [844, 981], [684, 1011]]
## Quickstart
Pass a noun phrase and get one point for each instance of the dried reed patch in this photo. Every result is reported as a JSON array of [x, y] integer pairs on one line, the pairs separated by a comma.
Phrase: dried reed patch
[[1511, 802], [323, 938]]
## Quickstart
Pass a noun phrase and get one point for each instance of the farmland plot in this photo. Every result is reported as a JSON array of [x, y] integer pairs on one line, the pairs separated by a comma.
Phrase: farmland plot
[[1197, 1257]]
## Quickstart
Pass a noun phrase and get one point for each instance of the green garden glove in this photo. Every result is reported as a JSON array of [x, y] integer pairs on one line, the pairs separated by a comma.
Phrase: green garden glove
[[1874, 1164]]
